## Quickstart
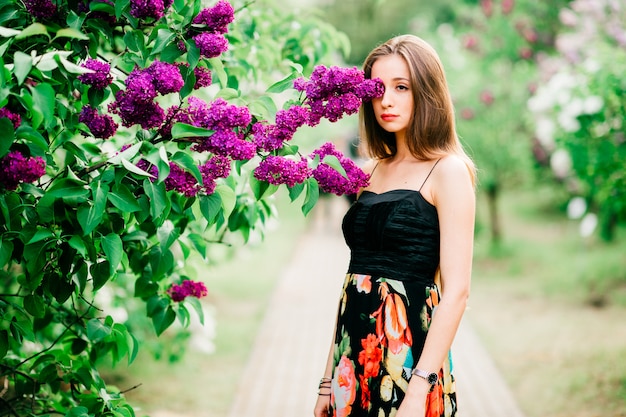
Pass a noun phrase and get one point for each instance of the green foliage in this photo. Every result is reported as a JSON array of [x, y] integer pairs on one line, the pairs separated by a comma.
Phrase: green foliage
[[98, 221]]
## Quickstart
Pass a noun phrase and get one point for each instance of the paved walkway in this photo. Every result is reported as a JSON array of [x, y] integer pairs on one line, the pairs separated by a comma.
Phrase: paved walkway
[[290, 351]]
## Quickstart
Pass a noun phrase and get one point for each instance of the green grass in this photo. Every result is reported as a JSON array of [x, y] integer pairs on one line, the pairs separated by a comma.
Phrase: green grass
[[550, 308]]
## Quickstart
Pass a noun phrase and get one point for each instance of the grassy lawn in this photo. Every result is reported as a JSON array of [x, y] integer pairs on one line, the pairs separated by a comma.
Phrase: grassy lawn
[[549, 306]]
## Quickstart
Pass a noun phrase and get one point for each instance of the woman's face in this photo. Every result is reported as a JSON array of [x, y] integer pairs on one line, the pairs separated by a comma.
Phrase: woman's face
[[394, 110]]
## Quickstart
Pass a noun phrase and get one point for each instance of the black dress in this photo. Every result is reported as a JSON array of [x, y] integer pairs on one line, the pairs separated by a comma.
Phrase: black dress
[[389, 296]]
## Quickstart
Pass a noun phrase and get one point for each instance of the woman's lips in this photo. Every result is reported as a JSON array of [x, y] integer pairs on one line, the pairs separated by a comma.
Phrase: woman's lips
[[388, 117]]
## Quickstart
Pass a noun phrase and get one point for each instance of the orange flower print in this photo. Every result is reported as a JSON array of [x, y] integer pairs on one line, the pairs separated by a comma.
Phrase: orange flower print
[[434, 402], [391, 322], [370, 356], [363, 283], [344, 387]]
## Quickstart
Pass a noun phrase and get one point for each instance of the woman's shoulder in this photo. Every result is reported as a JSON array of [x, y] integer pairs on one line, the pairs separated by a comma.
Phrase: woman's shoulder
[[454, 169], [369, 165]]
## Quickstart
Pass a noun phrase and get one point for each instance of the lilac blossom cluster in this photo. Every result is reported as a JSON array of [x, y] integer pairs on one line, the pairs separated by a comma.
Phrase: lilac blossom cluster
[[332, 181], [216, 167], [15, 168], [15, 118], [101, 126], [280, 170], [101, 75], [40, 9], [213, 21], [136, 104], [228, 122], [335, 91], [188, 288], [330, 93], [145, 9], [181, 181]]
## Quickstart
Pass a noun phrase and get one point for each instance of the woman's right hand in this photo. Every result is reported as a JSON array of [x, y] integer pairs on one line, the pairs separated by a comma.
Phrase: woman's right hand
[[322, 406]]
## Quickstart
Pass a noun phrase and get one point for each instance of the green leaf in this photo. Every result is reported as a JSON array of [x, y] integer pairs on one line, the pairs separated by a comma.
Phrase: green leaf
[[78, 243], [228, 196], [312, 195], [164, 37], [282, 85], [32, 30], [8, 32], [23, 63], [218, 69], [127, 154], [71, 33], [184, 130], [262, 189], [35, 305], [41, 234], [295, 191], [6, 251], [101, 273], [123, 199], [159, 203], [79, 411], [89, 214], [264, 107], [162, 319], [134, 40], [72, 67], [96, 330], [113, 249], [167, 235], [4, 343], [227, 94], [135, 169], [7, 137], [186, 161], [333, 162], [210, 206], [44, 102]]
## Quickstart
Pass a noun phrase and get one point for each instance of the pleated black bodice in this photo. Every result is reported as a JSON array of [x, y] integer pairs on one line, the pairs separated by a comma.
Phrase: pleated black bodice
[[394, 235]]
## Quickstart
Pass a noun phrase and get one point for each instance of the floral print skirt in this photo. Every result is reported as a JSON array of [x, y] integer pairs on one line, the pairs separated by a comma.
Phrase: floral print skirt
[[381, 330]]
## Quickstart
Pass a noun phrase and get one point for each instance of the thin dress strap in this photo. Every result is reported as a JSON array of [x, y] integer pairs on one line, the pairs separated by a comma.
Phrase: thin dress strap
[[431, 171], [372, 173]]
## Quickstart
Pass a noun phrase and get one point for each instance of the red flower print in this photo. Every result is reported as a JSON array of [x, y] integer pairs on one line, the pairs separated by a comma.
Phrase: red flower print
[[370, 356], [344, 387], [391, 322]]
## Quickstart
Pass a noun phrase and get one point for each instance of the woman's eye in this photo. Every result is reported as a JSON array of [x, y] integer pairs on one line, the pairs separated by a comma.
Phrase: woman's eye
[[402, 87]]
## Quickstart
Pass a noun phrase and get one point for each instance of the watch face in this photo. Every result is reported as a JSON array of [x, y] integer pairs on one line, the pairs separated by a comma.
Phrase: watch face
[[432, 378]]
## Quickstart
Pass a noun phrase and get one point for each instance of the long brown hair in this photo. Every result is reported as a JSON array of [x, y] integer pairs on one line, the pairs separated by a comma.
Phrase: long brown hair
[[432, 132]]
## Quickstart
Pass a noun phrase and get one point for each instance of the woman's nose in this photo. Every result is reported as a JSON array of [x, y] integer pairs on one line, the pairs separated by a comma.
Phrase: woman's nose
[[386, 99]]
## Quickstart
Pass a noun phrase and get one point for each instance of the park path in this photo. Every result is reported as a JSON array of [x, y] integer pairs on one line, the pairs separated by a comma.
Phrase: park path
[[281, 377]]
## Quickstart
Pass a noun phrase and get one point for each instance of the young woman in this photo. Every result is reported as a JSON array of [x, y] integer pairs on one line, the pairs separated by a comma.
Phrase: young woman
[[410, 233]]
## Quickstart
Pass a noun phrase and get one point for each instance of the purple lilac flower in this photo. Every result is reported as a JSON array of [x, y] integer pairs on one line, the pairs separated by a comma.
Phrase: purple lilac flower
[[181, 181], [151, 169], [15, 118], [203, 77], [216, 167], [165, 77], [173, 115], [133, 111], [211, 44], [40, 9], [217, 17], [227, 121], [270, 137], [280, 170], [144, 9], [333, 92], [15, 168], [101, 126], [141, 83], [188, 288], [100, 78], [332, 181]]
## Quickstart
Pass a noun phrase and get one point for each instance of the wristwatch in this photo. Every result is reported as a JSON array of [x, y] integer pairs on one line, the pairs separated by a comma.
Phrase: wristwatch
[[431, 377]]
